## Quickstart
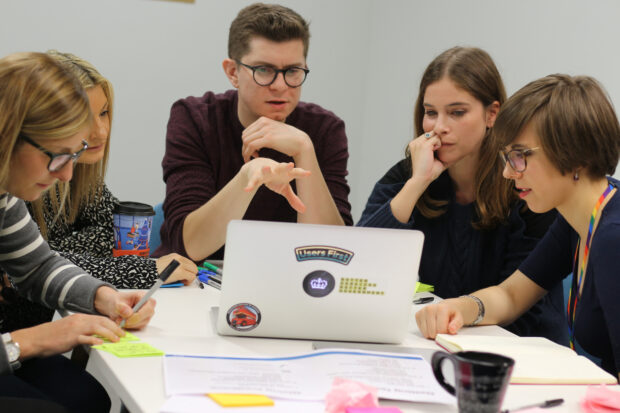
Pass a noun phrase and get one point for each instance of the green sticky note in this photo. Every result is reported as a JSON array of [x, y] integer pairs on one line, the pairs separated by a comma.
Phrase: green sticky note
[[127, 337], [130, 349], [423, 288]]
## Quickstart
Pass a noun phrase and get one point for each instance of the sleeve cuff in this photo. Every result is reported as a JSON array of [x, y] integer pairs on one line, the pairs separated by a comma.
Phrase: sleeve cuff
[[384, 218]]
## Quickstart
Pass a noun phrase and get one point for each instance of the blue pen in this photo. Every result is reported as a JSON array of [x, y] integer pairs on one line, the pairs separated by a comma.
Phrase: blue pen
[[205, 271], [172, 285], [205, 278]]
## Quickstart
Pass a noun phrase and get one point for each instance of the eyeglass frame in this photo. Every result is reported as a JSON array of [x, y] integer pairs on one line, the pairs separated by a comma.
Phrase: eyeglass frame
[[525, 152], [71, 156], [277, 72]]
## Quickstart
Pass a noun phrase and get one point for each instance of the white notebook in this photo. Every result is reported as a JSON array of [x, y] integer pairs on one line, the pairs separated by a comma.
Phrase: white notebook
[[537, 359]]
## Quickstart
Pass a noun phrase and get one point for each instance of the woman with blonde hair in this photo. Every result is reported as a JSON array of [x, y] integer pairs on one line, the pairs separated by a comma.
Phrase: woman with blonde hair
[[82, 230], [450, 187], [560, 141], [75, 217], [44, 123]]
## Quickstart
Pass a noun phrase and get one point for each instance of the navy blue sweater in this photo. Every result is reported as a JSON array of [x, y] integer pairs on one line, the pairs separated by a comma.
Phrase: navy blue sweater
[[597, 321], [458, 259]]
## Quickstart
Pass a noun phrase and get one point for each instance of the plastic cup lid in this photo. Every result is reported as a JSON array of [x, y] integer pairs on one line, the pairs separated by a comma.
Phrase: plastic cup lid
[[133, 208]]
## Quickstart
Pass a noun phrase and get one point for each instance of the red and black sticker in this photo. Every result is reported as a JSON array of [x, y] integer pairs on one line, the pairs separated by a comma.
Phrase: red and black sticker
[[243, 317]]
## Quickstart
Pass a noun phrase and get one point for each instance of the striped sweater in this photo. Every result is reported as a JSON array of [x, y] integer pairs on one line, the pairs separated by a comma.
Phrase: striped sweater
[[36, 271]]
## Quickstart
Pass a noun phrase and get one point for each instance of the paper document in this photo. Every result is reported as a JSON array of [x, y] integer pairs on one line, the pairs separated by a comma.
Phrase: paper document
[[304, 377]]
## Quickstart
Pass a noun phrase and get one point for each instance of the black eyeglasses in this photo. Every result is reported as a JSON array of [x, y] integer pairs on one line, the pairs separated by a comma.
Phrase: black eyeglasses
[[266, 75], [517, 158], [57, 160]]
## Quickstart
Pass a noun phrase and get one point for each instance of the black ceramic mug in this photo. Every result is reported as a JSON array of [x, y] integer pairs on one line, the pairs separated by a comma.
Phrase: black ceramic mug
[[480, 379]]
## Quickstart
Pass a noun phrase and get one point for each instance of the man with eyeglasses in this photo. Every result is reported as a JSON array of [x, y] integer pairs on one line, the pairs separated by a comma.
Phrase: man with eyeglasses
[[256, 152]]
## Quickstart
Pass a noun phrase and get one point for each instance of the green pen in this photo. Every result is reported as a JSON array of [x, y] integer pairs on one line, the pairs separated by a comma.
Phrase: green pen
[[212, 267]]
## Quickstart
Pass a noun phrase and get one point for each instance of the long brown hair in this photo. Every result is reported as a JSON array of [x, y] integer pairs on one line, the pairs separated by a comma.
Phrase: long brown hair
[[67, 198], [472, 70]]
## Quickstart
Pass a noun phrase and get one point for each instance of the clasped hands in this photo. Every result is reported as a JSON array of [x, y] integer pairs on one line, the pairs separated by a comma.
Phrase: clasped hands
[[268, 133]]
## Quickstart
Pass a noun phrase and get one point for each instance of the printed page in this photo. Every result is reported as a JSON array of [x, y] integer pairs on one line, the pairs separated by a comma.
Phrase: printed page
[[305, 377]]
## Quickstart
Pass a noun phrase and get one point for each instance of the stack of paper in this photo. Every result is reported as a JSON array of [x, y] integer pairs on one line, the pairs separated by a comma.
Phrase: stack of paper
[[537, 359]]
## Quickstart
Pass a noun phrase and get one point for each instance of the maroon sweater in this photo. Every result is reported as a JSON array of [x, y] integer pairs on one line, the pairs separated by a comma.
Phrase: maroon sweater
[[203, 153]]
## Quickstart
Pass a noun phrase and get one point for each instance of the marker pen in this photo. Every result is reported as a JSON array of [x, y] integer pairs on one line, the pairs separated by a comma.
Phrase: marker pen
[[162, 279]]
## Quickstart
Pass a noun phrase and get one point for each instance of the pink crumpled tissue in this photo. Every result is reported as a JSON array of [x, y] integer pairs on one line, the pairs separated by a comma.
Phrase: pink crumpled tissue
[[600, 399], [348, 393]]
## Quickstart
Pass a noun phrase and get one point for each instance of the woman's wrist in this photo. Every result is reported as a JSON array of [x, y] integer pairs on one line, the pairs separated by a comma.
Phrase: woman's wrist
[[104, 298], [476, 310], [28, 346]]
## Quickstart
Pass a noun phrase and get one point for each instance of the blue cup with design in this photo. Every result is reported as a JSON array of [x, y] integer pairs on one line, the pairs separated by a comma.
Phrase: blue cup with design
[[132, 228]]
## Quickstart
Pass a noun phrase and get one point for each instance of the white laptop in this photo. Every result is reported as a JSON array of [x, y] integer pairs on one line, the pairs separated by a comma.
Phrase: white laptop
[[318, 282]]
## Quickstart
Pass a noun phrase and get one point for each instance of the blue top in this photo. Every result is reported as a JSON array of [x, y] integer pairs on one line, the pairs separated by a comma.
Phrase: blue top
[[458, 259], [597, 321]]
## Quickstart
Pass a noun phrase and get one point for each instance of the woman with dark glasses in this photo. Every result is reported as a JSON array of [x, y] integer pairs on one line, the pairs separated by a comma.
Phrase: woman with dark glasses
[[561, 141]]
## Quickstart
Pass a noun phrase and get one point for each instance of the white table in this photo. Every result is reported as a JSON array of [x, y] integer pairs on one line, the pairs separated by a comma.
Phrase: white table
[[184, 323]]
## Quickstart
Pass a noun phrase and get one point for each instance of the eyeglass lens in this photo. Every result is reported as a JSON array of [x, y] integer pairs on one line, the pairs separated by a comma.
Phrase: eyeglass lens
[[265, 75], [59, 162], [517, 160]]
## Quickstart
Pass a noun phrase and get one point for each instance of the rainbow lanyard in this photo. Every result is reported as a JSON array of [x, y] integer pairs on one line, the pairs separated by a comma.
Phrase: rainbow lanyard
[[574, 296]]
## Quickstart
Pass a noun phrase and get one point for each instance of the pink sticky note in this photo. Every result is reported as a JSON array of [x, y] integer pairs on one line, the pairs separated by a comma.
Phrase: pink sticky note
[[347, 394], [373, 410], [600, 399]]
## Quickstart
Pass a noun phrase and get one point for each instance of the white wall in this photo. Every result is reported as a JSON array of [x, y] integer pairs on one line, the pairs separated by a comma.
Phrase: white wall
[[366, 59]]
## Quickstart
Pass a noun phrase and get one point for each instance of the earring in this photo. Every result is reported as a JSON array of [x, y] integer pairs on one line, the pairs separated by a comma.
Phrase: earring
[[576, 176]]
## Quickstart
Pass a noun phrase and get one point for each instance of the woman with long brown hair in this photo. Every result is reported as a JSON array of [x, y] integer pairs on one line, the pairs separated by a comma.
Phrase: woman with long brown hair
[[450, 187], [560, 140]]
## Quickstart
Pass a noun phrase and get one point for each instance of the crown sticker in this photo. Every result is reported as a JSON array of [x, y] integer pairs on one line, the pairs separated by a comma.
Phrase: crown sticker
[[243, 317], [319, 283], [323, 252]]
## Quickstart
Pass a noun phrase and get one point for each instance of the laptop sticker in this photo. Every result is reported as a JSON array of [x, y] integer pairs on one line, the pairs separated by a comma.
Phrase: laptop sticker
[[243, 317], [358, 286], [319, 283], [323, 252]]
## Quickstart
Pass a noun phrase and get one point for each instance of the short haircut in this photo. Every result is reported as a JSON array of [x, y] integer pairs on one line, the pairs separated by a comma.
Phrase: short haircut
[[271, 21], [573, 118]]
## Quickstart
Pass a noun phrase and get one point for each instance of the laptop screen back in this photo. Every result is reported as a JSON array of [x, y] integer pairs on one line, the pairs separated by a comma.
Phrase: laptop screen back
[[318, 282]]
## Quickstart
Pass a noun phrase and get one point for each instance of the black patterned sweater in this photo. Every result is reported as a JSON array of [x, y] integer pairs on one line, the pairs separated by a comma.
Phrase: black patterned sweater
[[88, 243]]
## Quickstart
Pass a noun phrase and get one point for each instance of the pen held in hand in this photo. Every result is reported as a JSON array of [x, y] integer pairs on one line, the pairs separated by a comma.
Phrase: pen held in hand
[[165, 274]]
